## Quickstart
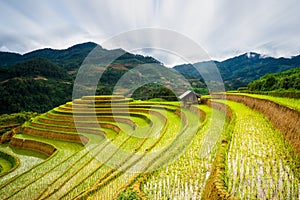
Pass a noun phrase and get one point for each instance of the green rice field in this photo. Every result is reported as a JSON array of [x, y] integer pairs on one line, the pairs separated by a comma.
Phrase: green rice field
[[112, 147]]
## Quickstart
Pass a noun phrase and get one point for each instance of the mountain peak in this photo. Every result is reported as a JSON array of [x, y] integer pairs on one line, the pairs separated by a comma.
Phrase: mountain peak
[[84, 45], [252, 55]]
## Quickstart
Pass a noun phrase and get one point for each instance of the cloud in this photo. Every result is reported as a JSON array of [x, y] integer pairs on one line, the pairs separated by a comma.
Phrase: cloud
[[222, 27], [250, 26]]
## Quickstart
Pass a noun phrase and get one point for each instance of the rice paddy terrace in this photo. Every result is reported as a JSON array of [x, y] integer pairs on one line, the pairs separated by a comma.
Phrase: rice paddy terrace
[[112, 147]]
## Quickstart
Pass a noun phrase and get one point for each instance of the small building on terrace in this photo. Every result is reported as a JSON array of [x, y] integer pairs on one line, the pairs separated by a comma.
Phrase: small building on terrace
[[190, 97]]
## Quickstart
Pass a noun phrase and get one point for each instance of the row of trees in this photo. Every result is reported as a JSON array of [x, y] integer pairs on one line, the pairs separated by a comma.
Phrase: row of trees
[[152, 91]]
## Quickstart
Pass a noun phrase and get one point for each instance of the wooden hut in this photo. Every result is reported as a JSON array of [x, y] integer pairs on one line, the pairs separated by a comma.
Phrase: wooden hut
[[190, 97]]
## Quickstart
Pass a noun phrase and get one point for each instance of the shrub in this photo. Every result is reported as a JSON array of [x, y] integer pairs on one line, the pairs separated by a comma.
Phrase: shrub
[[128, 195]]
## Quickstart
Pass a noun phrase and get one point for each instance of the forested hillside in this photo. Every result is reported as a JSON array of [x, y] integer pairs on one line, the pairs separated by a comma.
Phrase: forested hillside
[[288, 80], [43, 79]]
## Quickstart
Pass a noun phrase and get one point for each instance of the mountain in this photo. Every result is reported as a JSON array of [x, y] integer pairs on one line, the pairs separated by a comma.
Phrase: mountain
[[68, 58], [241, 70], [7, 58], [42, 79]]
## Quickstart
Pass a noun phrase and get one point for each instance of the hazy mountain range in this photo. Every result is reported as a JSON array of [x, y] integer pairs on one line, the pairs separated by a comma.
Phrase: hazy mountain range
[[239, 71]]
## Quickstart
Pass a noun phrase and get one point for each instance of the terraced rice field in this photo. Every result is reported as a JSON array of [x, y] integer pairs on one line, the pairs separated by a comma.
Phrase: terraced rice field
[[186, 178], [110, 147], [288, 102], [260, 163]]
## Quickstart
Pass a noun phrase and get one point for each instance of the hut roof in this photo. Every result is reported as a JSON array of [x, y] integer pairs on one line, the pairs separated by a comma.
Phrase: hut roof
[[187, 93]]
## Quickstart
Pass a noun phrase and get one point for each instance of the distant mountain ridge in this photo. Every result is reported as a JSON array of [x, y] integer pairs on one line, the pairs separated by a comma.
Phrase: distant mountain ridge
[[72, 56], [239, 71]]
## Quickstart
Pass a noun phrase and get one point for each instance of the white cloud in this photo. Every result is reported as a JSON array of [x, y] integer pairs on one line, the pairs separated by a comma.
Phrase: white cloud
[[222, 27]]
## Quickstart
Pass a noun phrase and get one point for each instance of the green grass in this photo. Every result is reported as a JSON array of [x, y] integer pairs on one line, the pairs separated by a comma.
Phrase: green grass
[[5, 164]]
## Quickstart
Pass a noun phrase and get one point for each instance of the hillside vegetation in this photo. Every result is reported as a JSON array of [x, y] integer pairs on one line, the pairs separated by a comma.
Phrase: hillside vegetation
[[43, 79], [288, 80]]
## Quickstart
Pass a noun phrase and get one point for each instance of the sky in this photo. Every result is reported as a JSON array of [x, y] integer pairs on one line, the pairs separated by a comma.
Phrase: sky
[[222, 28]]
